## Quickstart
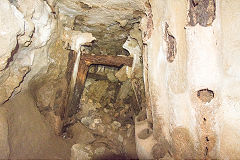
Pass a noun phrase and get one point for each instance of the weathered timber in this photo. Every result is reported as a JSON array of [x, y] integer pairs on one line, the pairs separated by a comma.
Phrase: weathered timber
[[84, 64], [78, 88], [62, 112], [116, 61]]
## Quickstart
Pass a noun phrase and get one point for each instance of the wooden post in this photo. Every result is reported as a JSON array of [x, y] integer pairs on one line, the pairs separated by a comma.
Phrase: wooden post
[[85, 62]]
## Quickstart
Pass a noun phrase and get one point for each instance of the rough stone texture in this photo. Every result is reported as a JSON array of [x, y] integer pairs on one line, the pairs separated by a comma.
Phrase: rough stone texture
[[12, 25], [125, 90], [194, 97], [182, 144], [122, 73], [26, 27], [104, 19], [202, 12], [97, 90], [15, 77], [38, 36]]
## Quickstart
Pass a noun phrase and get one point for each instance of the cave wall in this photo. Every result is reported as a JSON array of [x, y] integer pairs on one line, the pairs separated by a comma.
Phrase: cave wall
[[36, 42], [191, 77], [26, 30]]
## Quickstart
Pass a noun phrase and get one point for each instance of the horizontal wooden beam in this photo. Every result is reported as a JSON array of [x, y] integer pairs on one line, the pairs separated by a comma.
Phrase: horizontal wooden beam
[[108, 60]]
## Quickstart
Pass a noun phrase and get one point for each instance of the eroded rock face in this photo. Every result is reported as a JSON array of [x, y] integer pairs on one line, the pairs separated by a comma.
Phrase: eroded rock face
[[109, 21], [26, 27], [190, 102], [12, 25]]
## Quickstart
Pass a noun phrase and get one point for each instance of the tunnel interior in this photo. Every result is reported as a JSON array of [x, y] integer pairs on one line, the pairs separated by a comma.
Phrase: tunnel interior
[[112, 96], [119, 79]]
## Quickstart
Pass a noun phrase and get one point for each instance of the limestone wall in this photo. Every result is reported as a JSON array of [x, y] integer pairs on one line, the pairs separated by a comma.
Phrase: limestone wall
[[191, 60], [26, 28]]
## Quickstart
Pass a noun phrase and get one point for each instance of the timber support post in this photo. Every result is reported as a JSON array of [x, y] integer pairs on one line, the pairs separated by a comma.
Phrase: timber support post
[[85, 62]]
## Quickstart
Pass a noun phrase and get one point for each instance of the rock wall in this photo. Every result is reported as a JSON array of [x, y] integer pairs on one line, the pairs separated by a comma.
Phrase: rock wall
[[26, 29], [191, 77]]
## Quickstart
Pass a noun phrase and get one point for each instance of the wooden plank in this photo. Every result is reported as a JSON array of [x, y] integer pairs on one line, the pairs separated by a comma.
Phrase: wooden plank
[[108, 60]]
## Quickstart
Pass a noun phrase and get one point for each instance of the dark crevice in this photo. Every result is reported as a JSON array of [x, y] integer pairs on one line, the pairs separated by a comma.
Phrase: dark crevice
[[17, 86], [10, 59], [206, 151], [205, 95], [207, 139], [195, 3]]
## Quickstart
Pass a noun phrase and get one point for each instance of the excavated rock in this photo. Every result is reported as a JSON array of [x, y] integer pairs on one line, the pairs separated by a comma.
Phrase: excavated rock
[[26, 27], [122, 74], [108, 20], [97, 90]]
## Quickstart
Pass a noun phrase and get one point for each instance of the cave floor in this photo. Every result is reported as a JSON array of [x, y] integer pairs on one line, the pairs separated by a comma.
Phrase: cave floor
[[30, 136], [102, 129]]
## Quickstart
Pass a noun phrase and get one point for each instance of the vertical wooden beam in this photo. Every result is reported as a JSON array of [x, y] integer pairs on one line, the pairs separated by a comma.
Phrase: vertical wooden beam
[[78, 89]]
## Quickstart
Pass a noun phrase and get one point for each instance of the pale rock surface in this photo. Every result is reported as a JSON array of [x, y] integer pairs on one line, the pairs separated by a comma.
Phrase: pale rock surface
[[12, 25], [26, 26], [122, 74], [134, 46], [105, 12], [75, 39], [206, 58], [125, 90], [111, 77], [15, 76]]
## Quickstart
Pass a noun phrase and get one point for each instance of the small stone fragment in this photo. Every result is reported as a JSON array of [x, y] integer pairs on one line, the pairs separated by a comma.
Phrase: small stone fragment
[[122, 23], [111, 77], [115, 125], [92, 126], [100, 150], [120, 138], [97, 121], [101, 128], [111, 105], [130, 131], [98, 105], [122, 74], [105, 110], [86, 121]]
